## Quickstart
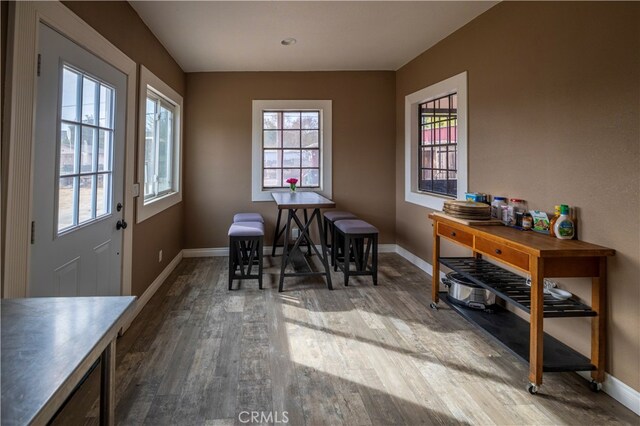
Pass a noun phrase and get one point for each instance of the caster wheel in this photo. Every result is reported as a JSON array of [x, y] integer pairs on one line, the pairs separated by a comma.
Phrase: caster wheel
[[595, 386], [533, 389], [434, 305]]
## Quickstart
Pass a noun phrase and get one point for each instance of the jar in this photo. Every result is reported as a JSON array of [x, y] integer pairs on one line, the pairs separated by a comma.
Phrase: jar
[[527, 221], [516, 205], [496, 207]]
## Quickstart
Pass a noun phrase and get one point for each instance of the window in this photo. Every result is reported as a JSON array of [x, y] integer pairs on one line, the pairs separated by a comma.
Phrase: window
[[290, 148], [85, 150], [159, 151], [158, 157], [436, 143], [291, 139], [438, 147]]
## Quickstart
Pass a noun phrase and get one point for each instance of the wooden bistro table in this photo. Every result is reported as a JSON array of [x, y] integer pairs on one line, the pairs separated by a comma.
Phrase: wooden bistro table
[[49, 346], [292, 202], [539, 256]]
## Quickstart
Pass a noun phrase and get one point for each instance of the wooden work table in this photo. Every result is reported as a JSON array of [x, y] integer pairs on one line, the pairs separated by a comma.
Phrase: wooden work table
[[49, 344], [539, 256]]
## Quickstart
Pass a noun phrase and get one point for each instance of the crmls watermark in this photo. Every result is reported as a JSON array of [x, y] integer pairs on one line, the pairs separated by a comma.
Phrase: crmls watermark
[[275, 417]]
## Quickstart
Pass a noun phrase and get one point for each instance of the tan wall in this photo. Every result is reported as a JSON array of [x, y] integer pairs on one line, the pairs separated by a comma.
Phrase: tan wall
[[121, 25], [553, 117], [218, 150]]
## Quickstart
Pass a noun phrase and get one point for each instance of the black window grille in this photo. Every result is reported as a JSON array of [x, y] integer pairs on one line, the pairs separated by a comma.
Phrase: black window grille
[[290, 148], [438, 146]]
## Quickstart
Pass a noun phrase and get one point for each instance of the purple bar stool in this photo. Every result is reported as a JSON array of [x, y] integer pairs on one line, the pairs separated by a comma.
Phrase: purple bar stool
[[246, 240]]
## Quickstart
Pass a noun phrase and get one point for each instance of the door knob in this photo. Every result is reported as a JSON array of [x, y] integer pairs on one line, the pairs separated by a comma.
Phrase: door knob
[[121, 224]]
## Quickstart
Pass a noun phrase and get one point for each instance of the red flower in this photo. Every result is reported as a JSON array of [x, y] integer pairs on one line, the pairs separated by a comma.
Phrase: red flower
[[292, 181]]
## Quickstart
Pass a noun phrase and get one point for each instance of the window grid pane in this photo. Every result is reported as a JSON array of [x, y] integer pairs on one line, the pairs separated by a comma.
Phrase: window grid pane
[[290, 148], [85, 150], [438, 146]]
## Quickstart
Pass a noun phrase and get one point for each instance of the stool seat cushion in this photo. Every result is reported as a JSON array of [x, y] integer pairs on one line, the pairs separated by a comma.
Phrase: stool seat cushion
[[334, 215], [248, 217], [356, 226], [246, 229]]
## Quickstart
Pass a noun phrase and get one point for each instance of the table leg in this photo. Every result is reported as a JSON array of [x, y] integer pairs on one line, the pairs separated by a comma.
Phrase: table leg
[[323, 244], [435, 273], [285, 250], [107, 384], [536, 331], [599, 322], [277, 233], [306, 222]]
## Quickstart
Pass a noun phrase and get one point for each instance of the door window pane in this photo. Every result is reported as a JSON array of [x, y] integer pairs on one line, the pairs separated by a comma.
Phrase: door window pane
[[87, 149], [106, 105], [103, 192], [66, 202], [69, 135], [104, 150], [69, 109], [89, 101], [85, 199]]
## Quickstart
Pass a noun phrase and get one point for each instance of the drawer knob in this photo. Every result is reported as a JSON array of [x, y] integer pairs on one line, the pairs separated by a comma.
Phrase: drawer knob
[[453, 234], [498, 251]]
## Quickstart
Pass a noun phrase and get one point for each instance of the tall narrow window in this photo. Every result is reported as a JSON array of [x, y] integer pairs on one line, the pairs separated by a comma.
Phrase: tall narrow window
[[159, 145], [290, 148], [85, 150], [438, 146]]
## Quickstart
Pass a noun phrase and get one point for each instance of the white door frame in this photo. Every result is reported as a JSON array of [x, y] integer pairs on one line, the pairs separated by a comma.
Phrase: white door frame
[[19, 131]]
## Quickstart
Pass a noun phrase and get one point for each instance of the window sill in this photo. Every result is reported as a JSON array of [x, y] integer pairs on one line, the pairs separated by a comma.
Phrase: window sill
[[432, 201], [156, 205]]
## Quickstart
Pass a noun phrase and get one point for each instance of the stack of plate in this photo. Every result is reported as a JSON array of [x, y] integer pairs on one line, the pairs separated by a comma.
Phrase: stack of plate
[[467, 210]]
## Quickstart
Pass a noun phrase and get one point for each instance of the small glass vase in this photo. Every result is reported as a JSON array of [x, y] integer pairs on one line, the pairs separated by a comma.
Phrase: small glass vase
[[292, 187]]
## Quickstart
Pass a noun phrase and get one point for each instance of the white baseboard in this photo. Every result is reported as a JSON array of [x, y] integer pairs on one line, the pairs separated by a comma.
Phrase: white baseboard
[[206, 252], [151, 290], [224, 251], [618, 390]]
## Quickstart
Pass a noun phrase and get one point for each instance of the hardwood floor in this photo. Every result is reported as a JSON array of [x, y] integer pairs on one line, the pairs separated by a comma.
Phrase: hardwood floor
[[361, 355]]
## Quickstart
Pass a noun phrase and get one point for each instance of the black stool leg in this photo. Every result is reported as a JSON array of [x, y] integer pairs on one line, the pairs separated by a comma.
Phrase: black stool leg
[[260, 255], [347, 259], [232, 268], [374, 264]]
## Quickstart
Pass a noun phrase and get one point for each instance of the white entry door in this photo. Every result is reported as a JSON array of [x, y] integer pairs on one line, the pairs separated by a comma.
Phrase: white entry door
[[78, 190]]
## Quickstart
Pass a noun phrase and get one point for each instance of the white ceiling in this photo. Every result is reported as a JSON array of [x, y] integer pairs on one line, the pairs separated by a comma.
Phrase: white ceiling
[[331, 35]]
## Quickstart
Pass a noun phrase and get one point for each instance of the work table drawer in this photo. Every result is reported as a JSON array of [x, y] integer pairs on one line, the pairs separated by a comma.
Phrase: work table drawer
[[502, 252], [455, 234]]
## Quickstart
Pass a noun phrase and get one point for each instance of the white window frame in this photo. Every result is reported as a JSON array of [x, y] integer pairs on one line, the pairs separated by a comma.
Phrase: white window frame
[[456, 84], [259, 106], [150, 207]]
